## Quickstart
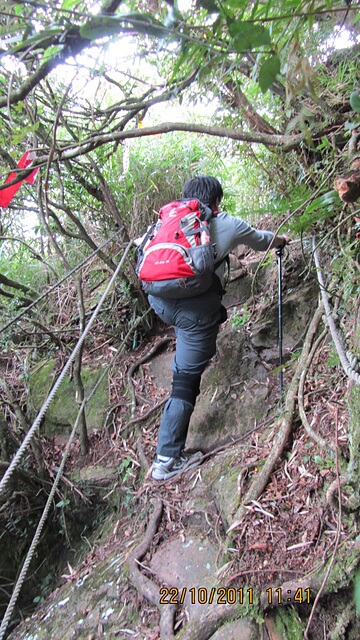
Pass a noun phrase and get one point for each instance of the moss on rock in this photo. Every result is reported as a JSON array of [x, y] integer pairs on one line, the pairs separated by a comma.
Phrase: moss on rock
[[63, 410]]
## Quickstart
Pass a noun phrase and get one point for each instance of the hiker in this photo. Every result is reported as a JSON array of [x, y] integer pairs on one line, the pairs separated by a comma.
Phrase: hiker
[[196, 321]]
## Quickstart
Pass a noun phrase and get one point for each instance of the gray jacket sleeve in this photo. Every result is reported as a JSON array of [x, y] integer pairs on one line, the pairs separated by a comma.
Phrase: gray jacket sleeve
[[227, 232]]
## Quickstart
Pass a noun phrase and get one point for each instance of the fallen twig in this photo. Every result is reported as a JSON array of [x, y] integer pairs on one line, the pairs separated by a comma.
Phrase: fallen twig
[[146, 415]]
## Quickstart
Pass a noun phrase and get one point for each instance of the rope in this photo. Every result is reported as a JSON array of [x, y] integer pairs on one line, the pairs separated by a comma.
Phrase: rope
[[32, 431], [22, 576], [57, 284], [344, 359], [39, 528]]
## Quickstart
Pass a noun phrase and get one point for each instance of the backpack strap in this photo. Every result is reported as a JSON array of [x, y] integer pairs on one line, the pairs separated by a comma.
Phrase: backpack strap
[[206, 213], [147, 235], [227, 275]]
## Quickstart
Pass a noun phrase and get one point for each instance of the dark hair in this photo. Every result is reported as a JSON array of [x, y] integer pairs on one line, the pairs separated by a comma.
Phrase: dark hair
[[205, 188]]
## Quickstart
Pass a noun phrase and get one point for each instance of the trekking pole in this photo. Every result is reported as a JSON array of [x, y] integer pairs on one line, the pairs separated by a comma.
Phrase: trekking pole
[[279, 253]]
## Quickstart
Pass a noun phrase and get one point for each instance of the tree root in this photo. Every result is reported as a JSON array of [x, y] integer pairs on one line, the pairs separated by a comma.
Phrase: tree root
[[332, 490], [284, 426], [311, 433], [198, 630], [213, 618], [146, 587], [338, 343], [144, 462]]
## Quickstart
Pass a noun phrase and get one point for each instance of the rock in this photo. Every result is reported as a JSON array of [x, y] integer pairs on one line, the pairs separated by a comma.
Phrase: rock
[[185, 564], [189, 566], [240, 385], [62, 412], [95, 474], [160, 369], [237, 630], [88, 605], [234, 394]]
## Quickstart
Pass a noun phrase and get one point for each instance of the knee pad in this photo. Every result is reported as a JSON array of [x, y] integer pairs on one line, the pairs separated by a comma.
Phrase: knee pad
[[186, 387]]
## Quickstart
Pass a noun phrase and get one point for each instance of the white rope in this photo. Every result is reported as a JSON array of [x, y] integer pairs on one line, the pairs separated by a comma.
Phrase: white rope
[[22, 576], [346, 365], [32, 431], [39, 528]]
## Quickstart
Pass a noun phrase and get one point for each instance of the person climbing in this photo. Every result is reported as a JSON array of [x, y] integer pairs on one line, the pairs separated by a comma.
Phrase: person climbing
[[196, 321]]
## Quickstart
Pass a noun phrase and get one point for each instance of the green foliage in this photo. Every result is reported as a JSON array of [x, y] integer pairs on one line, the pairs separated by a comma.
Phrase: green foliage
[[62, 503], [355, 101], [315, 211], [39, 41], [51, 52], [343, 266], [354, 122], [323, 202], [17, 263], [324, 463], [68, 5], [125, 469], [239, 317], [247, 35], [268, 72], [333, 359], [45, 588], [247, 66], [157, 170]]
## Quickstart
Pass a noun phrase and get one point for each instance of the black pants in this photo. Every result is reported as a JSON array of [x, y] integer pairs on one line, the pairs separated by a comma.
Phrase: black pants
[[196, 322]]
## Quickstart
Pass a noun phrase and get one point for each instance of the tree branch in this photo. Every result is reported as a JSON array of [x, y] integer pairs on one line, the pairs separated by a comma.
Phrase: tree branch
[[282, 141], [71, 42], [17, 285], [238, 100]]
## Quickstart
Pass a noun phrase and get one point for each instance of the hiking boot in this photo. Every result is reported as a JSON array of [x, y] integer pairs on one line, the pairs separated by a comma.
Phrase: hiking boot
[[165, 468]]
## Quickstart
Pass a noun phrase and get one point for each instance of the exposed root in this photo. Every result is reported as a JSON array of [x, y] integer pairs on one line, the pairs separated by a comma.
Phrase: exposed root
[[337, 538], [207, 624], [311, 433], [146, 587], [284, 427], [146, 415], [144, 462], [338, 343], [333, 491]]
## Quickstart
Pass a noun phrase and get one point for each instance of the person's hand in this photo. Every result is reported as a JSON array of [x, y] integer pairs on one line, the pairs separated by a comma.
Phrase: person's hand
[[281, 241]]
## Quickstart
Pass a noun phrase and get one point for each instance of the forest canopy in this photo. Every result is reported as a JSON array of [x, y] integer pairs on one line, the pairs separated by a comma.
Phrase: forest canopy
[[81, 82]]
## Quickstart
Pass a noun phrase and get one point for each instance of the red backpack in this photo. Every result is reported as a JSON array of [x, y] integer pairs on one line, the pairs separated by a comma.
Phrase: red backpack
[[176, 258]]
